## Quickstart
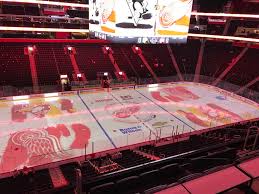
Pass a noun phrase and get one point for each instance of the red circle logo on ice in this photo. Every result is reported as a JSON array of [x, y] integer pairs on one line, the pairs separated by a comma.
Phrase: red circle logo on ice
[[129, 112], [126, 112]]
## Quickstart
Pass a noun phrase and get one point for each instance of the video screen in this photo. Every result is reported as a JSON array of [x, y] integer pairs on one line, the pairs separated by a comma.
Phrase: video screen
[[140, 21]]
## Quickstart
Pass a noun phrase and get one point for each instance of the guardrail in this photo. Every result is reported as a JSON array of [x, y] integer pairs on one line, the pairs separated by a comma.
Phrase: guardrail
[[95, 84]]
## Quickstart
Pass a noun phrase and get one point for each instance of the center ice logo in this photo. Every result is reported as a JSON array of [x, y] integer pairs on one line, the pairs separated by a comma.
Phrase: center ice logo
[[127, 97], [129, 112]]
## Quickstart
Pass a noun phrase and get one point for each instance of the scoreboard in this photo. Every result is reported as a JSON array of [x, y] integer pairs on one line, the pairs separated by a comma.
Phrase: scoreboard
[[140, 21]]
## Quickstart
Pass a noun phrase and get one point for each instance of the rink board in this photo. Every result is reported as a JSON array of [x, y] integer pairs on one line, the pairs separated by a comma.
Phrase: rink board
[[42, 129]]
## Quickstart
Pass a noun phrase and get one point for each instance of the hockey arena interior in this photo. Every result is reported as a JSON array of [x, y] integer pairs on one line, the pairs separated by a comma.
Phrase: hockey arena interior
[[129, 97]]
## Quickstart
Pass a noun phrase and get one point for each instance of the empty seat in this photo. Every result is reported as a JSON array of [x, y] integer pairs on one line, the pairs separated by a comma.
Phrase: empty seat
[[202, 163], [189, 177], [136, 62], [149, 179], [91, 59], [217, 168], [158, 59], [155, 189], [107, 188], [168, 173], [229, 153], [127, 185], [255, 185], [234, 191], [130, 158], [14, 66]]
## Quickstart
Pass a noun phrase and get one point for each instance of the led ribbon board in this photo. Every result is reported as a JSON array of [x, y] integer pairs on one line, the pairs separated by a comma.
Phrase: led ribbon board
[[140, 21]]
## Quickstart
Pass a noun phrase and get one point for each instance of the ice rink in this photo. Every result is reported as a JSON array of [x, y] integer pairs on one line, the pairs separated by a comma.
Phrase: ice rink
[[36, 130]]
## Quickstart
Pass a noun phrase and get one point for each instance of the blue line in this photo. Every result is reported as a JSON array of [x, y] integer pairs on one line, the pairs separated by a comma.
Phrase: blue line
[[106, 134], [164, 109]]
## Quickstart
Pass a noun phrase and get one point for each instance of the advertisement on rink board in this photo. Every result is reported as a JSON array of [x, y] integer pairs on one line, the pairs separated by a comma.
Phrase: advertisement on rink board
[[140, 21]]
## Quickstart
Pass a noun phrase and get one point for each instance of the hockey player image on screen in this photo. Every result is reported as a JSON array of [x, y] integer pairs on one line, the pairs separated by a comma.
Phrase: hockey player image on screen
[[139, 11], [108, 16], [94, 12], [102, 16], [135, 14], [174, 17], [135, 17], [153, 18]]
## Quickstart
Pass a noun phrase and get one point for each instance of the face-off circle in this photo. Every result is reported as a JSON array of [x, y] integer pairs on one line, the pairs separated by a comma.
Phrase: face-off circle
[[128, 113]]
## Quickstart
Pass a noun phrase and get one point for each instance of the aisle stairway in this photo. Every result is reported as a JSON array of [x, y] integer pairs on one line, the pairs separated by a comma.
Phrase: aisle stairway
[[57, 177]]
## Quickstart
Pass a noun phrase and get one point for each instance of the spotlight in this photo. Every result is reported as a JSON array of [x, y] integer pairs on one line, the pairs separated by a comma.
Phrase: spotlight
[[105, 74], [69, 48], [120, 73], [136, 49], [30, 48], [63, 76], [79, 75], [107, 48]]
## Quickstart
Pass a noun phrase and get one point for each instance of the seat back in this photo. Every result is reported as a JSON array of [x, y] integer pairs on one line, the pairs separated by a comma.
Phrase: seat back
[[149, 177], [108, 188], [155, 189], [128, 183]]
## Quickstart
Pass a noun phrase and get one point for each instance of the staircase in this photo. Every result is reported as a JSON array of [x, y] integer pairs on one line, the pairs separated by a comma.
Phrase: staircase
[[147, 155], [57, 177]]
